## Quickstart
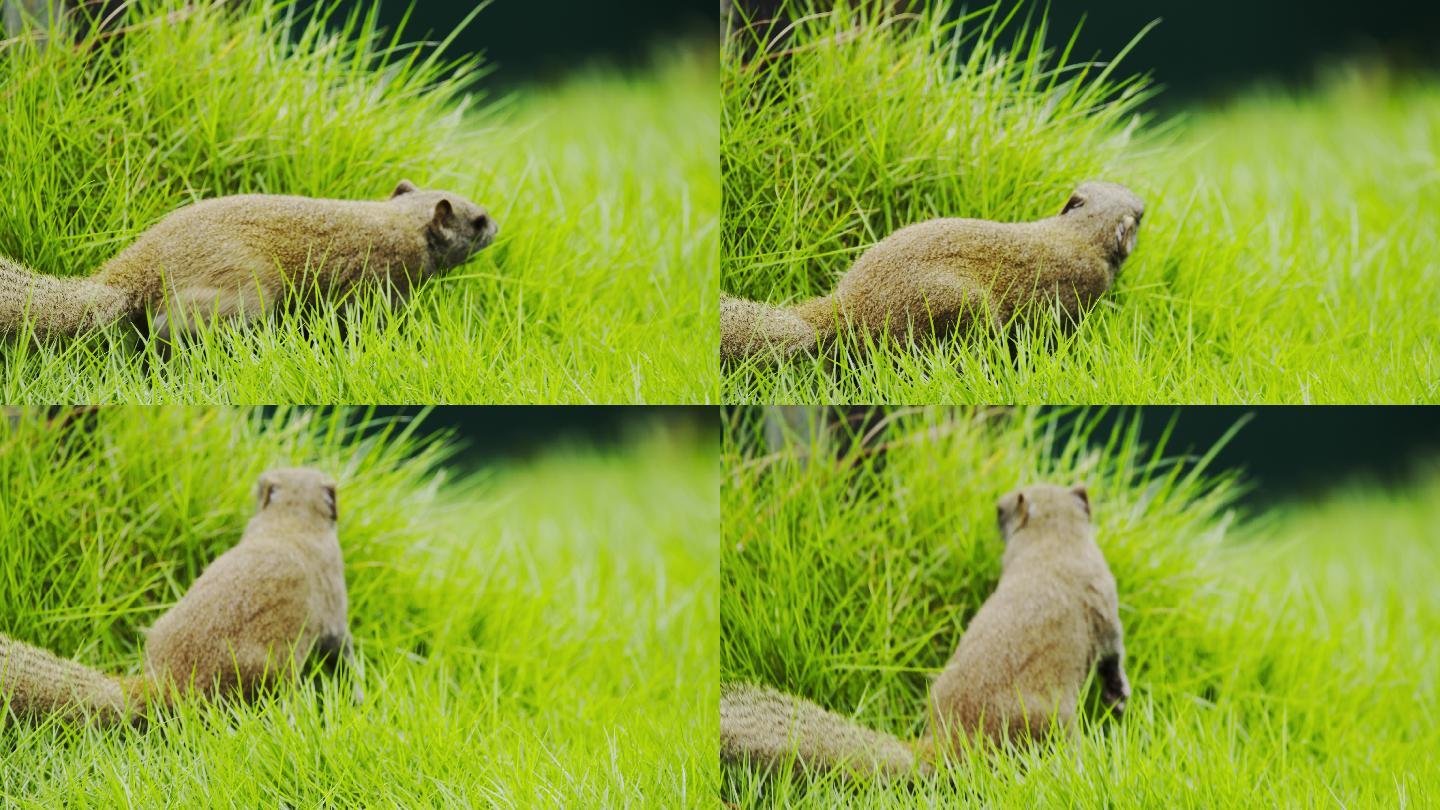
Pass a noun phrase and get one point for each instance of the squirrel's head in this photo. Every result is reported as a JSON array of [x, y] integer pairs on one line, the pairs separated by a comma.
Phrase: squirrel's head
[[1109, 214], [455, 228], [1040, 507], [301, 489]]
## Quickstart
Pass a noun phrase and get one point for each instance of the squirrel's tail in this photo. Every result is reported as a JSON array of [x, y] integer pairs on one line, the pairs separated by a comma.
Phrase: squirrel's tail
[[750, 328], [55, 306], [35, 683], [770, 728]]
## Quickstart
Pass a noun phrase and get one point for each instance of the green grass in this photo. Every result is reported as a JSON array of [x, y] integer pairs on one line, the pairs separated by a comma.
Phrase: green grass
[[1276, 661], [520, 650], [1286, 253], [605, 186]]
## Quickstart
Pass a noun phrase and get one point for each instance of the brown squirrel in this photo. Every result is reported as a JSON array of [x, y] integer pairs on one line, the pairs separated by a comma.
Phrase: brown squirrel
[[1016, 674], [938, 277], [255, 616], [244, 256]]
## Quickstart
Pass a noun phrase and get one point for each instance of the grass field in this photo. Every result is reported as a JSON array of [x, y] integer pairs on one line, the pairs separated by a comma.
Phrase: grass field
[[520, 650], [1277, 660], [605, 186], [1285, 256]]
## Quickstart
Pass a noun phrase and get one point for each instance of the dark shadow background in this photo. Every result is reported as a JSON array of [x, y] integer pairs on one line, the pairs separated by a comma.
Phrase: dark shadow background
[[1299, 451], [1207, 50], [1281, 453], [1203, 50], [491, 433], [1285, 452], [536, 41]]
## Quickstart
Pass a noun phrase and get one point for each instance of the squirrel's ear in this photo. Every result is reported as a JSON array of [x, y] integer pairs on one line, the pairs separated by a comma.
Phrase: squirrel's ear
[[405, 187], [1125, 232], [443, 223], [1011, 512], [264, 488], [330, 501], [444, 213], [1083, 494]]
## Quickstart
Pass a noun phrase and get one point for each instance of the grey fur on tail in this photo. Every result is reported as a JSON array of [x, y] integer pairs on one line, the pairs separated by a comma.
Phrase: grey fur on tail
[[37, 683], [769, 728], [754, 329], [55, 306]]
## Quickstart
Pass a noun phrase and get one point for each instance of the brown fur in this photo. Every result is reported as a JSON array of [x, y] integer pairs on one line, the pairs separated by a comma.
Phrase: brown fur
[[252, 619], [939, 277], [1016, 674], [244, 256], [254, 616], [1053, 617]]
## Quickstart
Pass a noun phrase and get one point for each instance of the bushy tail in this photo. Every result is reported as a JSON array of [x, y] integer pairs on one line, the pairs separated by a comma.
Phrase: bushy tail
[[35, 683], [770, 728], [750, 328], [55, 306]]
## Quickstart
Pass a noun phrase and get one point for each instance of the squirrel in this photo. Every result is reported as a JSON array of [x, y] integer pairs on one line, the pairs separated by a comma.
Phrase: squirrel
[[1016, 674], [253, 618], [242, 256], [938, 277]]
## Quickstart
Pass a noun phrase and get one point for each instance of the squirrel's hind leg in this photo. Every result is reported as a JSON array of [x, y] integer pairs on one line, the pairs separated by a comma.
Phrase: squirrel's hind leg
[[939, 308], [186, 312]]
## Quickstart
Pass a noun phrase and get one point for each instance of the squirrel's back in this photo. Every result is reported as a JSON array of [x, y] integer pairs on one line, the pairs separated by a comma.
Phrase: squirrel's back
[[242, 256], [241, 624], [943, 276], [256, 613], [269, 244], [1019, 667]]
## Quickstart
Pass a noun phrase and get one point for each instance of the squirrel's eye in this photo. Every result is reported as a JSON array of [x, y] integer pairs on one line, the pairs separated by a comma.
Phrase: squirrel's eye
[[1075, 202], [481, 221]]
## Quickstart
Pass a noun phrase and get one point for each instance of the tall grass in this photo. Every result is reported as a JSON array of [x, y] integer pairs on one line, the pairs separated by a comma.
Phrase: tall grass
[[197, 100], [1283, 257], [519, 650], [1277, 661]]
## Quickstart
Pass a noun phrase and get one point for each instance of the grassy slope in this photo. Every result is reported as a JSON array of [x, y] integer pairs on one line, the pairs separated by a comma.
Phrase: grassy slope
[[606, 189], [1284, 258], [521, 650], [1280, 664]]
